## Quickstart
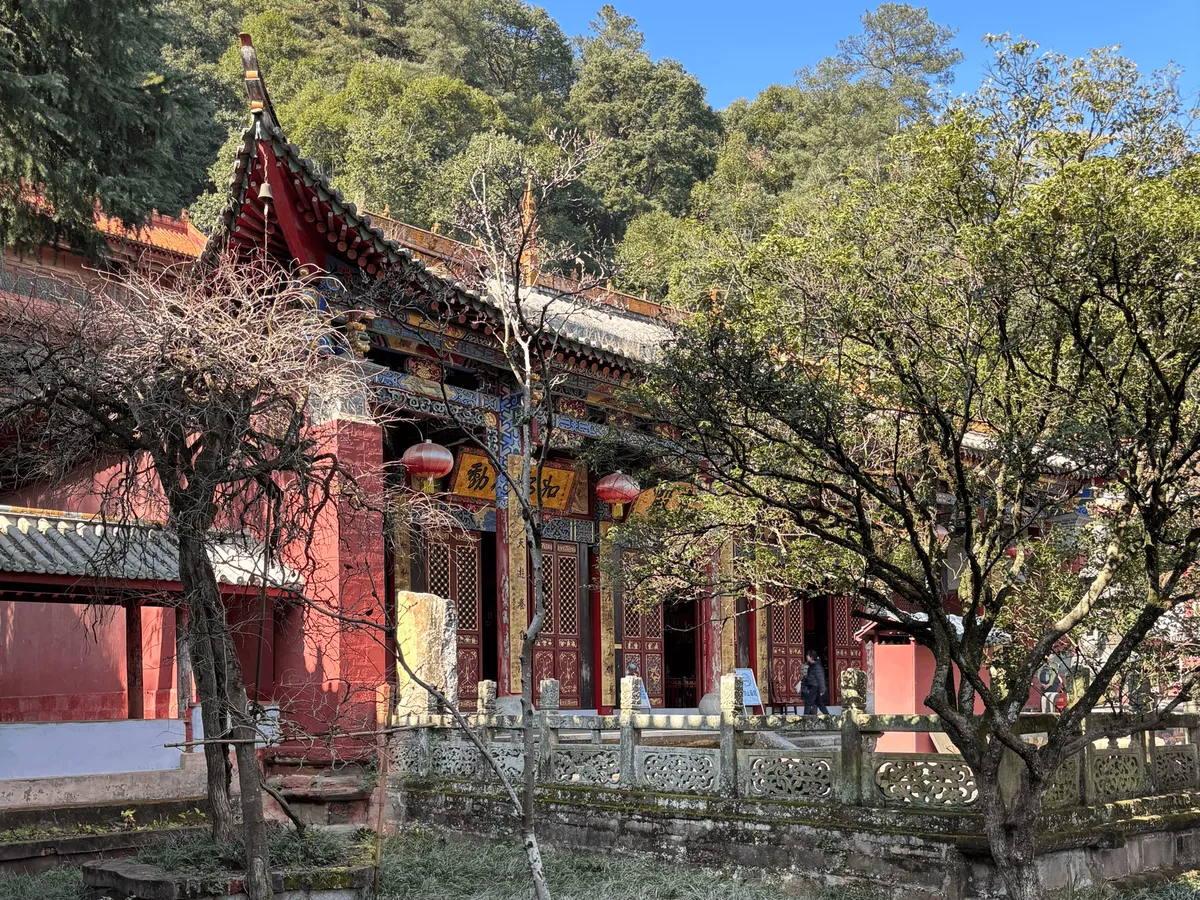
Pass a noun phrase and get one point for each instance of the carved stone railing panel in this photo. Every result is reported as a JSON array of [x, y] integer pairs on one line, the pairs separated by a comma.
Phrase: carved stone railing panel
[[509, 756], [1175, 768], [784, 775], [844, 771], [1117, 773], [1064, 789], [454, 759], [678, 770], [587, 765], [930, 780], [407, 755]]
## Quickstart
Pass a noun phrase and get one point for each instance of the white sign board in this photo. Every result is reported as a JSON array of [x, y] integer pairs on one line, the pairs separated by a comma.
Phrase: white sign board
[[645, 696], [750, 695]]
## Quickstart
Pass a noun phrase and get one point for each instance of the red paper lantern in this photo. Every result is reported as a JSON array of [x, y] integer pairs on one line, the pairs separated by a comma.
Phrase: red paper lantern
[[617, 489], [425, 462]]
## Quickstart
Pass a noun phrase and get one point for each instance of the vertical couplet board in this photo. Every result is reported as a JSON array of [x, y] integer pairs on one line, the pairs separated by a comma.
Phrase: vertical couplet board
[[453, 570], [786, 617], [557, 653]]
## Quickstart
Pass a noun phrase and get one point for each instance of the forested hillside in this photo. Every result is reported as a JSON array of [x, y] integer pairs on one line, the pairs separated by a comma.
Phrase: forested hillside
[[394, 99]]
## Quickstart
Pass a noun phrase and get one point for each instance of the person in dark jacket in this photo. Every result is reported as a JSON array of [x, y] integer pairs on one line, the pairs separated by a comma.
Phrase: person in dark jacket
[[814, 686]]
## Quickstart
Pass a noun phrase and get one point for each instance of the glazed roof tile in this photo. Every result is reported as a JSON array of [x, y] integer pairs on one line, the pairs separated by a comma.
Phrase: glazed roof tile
[[53, 542], [176, 236]]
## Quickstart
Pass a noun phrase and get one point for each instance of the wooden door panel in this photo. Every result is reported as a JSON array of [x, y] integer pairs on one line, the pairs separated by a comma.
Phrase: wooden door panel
[[556, 653], [785, 619], [453, 570], [843, 649], [642, 643]]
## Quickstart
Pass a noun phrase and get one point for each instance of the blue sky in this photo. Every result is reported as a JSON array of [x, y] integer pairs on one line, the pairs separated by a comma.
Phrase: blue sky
[[736, 49]]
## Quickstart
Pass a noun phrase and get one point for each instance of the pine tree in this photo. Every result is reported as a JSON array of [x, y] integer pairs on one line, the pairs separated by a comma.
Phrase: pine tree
[[662, 133], [93, 119]]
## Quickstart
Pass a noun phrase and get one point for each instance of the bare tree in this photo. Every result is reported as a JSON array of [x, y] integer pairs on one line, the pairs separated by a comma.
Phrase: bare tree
[[503, 279], [207, 392]]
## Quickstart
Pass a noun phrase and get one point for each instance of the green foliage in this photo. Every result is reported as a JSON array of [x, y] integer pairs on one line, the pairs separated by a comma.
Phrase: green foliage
[[837, 116], [212, 864], [913, 372], [436, 868], [393, 154], [94, 117], [192, 817], [512, 51], [663, 135], [388, 96], [312, 849]]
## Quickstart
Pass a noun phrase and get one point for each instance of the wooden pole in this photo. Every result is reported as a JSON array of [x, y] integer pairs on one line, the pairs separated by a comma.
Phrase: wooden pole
[[133, 658], [382, 711], [183, 672]]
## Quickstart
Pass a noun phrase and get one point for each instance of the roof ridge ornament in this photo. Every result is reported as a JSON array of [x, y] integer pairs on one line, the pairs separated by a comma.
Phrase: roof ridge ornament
[[256, 88]]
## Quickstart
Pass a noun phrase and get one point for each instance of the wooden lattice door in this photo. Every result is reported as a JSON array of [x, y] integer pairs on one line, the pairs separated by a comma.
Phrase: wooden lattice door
[[786, 619], [642, 642], [557, 653], [844, 650], [453, 570]]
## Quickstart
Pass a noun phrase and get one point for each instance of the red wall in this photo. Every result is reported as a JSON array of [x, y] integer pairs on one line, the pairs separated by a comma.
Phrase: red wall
[[903, 676], [323, 671], [62, 662]]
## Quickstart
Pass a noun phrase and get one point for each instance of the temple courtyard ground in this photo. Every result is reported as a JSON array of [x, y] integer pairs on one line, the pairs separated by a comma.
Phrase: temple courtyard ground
[[424, 865]]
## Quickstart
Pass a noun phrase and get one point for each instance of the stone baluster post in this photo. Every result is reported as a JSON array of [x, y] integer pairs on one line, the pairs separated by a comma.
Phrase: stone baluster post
[[731, 707], [1147, 743], [426, 742], [631, 705], [485, 708], [848, 787], [1087, 759], [548, 693]]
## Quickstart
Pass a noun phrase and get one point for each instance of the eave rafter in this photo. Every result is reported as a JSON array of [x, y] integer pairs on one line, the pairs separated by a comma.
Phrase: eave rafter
[[280, 203]]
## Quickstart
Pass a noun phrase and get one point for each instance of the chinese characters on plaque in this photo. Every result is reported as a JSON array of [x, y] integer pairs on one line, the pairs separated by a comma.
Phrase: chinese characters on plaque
[[476, 478]]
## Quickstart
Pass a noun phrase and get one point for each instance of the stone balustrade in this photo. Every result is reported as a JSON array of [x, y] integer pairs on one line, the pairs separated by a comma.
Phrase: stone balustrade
[[723, 755]]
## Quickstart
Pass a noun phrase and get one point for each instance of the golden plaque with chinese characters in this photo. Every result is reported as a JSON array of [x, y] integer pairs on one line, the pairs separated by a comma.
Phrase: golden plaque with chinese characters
[[476, 478]]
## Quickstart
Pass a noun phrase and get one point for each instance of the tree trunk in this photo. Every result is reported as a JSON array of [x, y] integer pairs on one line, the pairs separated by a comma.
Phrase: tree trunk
[[254, 824], [209, 686], [541, 891], [222, 696], [1010, 834], [529, 787]]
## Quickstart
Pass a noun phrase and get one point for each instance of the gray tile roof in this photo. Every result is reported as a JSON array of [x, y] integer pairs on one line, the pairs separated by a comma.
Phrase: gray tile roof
[[46, 542], [600, 327]]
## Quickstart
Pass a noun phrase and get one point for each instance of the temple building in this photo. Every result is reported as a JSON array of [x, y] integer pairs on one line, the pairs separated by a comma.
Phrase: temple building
[[447, 383]]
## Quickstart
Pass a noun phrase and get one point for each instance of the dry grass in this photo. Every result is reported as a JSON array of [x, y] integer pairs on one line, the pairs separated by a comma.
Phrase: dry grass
[[422, 865]]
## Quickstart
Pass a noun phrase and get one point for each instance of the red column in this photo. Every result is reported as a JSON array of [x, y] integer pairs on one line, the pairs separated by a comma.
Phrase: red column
[[362, 573], [503, 670], [327, 668]]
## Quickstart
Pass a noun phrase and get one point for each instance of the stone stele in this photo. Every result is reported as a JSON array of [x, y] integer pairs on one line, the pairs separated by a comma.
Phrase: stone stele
[[426, 631]]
